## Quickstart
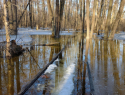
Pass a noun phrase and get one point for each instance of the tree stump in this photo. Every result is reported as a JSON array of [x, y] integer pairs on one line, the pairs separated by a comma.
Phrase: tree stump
[[15, 49]]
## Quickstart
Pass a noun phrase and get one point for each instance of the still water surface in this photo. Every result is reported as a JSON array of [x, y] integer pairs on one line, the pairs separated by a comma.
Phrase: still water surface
[[106, 60]]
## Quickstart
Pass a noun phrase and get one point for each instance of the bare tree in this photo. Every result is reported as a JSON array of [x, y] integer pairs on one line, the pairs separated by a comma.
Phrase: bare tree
[[117, 19], [14, 16], [83, 20], [93, 18], [9, 8], [59, 16], [107, 27], [31, 14], [87, 14], [7, 31], [99, 21]]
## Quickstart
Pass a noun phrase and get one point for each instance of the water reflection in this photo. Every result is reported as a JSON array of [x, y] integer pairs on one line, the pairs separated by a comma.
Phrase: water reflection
[[106, 60], [107, 67]]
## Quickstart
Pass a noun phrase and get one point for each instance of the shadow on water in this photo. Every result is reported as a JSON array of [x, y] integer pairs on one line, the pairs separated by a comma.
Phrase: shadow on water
[[106, 60]]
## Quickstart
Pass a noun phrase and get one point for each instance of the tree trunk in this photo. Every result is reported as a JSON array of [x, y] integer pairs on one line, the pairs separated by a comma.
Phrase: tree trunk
[[38, 16], [43, 14], [108, 20], [30, 14], [117, 19], [88, 27], [76, 15], [57, 19], [51, 16], [14, 17], [7, 32], [93, 18], [10, 16], [83, 20], [99, 22]]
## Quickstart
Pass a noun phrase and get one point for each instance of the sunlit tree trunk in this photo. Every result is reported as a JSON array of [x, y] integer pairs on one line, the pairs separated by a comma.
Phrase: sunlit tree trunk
[[117, 19], [51, 16], [93, 19], [10, 16], [114, 10], [38, 16], [96, 13], [7, 32], [87, 18], [107, 27], [76, 15], [43, 14], [104, 15], [99, 21]]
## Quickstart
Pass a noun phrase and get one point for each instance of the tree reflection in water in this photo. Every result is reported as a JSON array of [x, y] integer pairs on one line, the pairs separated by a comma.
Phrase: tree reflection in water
[[106, 60]]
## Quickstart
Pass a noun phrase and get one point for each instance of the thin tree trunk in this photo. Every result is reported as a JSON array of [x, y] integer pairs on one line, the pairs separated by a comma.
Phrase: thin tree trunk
[[108, 20], [76, 15], [62, 2], [99, 22], [51, 16], [117, 19], [88, 28], [14, 17], [83, 21], [30, 14], [43, 14], [93, 18], [7, 32], [37, 25], [10, 16], [57, 19]]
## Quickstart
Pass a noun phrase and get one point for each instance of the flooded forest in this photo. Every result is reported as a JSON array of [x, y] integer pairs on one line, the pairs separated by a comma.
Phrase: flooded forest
[[62, 47]]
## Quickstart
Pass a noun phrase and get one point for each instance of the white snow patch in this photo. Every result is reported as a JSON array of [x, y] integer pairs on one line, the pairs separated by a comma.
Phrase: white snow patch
[[66, 86], [50, 68], [20, 39]]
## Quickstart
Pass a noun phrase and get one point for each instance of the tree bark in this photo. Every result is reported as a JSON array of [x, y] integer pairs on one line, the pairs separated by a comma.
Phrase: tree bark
[[99, 22], [93, 18], [83, 20], [57, 19], [7, 32], [108, 20], [30, 14], [117, 19], [10, 16], [14, 17], [88, 27]]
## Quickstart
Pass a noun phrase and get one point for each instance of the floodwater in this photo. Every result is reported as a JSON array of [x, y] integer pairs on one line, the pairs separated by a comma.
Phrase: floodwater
[[68, 75]]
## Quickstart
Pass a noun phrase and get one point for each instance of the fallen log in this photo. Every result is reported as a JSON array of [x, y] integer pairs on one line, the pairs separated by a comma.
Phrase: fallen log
[[39, 74], [50, 44]]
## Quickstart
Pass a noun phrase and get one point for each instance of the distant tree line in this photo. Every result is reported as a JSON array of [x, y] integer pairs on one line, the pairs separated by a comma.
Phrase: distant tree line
[[93, 15]]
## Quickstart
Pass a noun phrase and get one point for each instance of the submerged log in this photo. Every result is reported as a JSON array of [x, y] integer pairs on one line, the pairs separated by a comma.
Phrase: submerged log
[[15, 49], [49, 44]]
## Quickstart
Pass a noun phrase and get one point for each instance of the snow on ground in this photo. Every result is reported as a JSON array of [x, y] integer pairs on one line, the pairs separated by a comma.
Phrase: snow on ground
[[50, 68], [24, 34], [119, 36]]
